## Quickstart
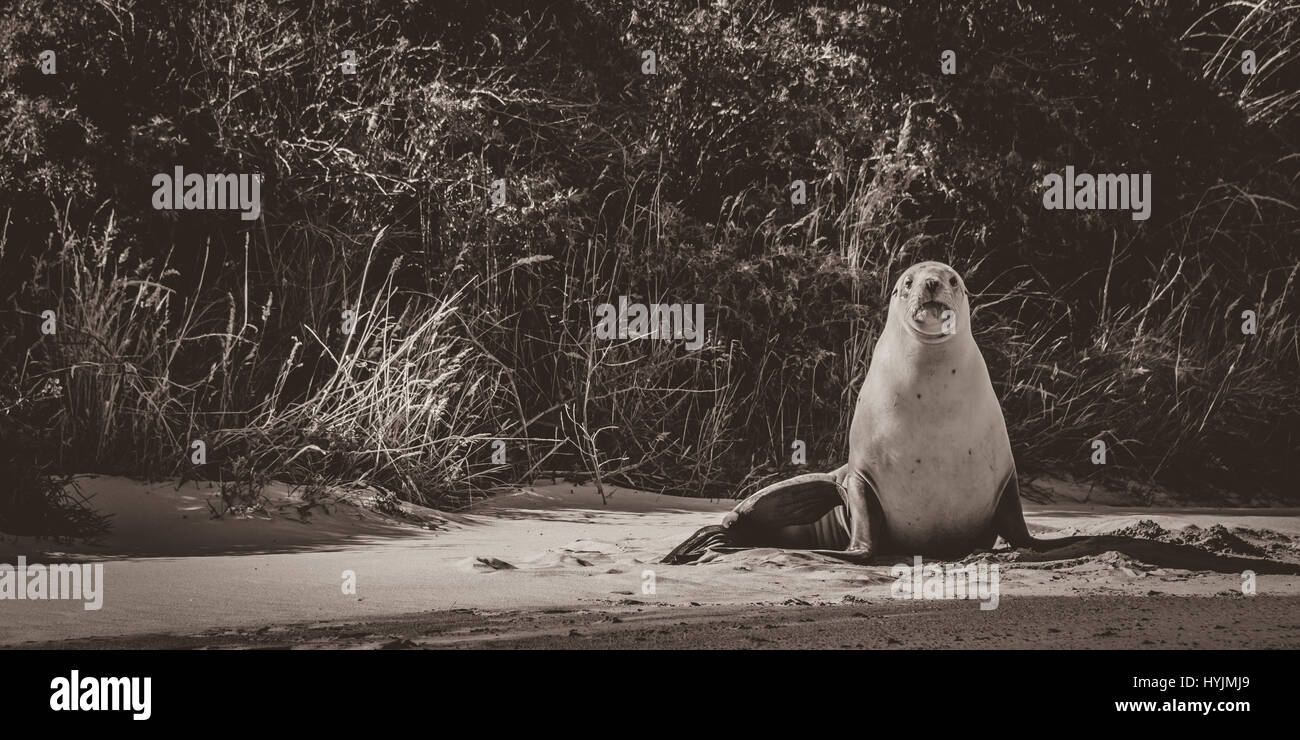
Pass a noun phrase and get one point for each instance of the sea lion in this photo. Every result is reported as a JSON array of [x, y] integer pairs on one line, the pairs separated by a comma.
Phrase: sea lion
[[930, 470]]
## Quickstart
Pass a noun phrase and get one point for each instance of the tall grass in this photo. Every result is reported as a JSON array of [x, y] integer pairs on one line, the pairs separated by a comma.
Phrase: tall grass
[[102, 381], [475, 321], [1173, 387], [407, 405], [1269, 30]]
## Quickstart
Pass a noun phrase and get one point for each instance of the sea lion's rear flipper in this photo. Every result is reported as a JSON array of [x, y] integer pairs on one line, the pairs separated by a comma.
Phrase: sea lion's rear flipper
[[762, 519], [1009, 518]]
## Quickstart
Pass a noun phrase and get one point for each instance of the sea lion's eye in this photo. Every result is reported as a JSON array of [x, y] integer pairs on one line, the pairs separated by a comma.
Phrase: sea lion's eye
[[953, 281], [907, 282]]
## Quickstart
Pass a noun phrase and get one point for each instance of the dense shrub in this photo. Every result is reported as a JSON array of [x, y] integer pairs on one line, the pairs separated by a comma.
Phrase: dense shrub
[[670, 187]]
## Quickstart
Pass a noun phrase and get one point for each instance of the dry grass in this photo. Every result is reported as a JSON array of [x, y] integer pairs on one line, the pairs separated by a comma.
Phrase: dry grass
[[475, 322]]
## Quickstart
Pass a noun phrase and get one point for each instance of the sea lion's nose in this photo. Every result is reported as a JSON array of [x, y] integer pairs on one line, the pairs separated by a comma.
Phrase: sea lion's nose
[[932, 284]]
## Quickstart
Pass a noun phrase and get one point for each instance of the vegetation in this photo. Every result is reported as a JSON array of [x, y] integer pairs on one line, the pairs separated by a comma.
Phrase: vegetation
[[475, 321]]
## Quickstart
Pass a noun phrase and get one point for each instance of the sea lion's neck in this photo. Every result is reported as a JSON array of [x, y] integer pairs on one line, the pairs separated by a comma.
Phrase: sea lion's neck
[[912, 361]]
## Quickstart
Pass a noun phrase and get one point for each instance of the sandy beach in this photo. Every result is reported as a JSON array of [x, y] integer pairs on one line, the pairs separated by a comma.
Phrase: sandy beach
[[554, 566]]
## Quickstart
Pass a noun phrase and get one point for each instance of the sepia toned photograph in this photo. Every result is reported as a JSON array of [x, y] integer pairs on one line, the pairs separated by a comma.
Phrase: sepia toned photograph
[[650, 325]]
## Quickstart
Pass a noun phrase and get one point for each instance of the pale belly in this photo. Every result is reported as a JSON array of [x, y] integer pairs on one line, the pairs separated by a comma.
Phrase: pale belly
[[939, 496]]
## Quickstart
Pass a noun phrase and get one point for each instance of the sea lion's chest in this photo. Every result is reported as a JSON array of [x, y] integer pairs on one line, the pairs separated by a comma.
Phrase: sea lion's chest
[[938, 453]]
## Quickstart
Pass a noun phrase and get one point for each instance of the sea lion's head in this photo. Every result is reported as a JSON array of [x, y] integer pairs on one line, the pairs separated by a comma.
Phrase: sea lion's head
[[930, 303]]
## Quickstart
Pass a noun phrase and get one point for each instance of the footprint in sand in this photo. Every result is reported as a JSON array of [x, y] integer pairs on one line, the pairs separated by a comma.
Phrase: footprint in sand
[[599, 546], [555, 561], [484, 565]]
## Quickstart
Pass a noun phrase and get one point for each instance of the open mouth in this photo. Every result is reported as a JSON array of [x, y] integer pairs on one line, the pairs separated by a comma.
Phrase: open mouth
[[930, 311]]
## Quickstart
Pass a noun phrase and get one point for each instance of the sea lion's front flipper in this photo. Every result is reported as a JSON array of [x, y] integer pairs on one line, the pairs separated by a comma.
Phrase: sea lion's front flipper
[[761, 519], [802, 499], [866, 521], [705, 539], [1009, 518]]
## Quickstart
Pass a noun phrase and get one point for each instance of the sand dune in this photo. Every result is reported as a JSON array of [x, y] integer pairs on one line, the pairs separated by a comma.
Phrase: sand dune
[[172, 569]]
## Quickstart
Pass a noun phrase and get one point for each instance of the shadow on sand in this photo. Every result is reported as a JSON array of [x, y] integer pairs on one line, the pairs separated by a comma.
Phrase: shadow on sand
[[1150, 552]]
